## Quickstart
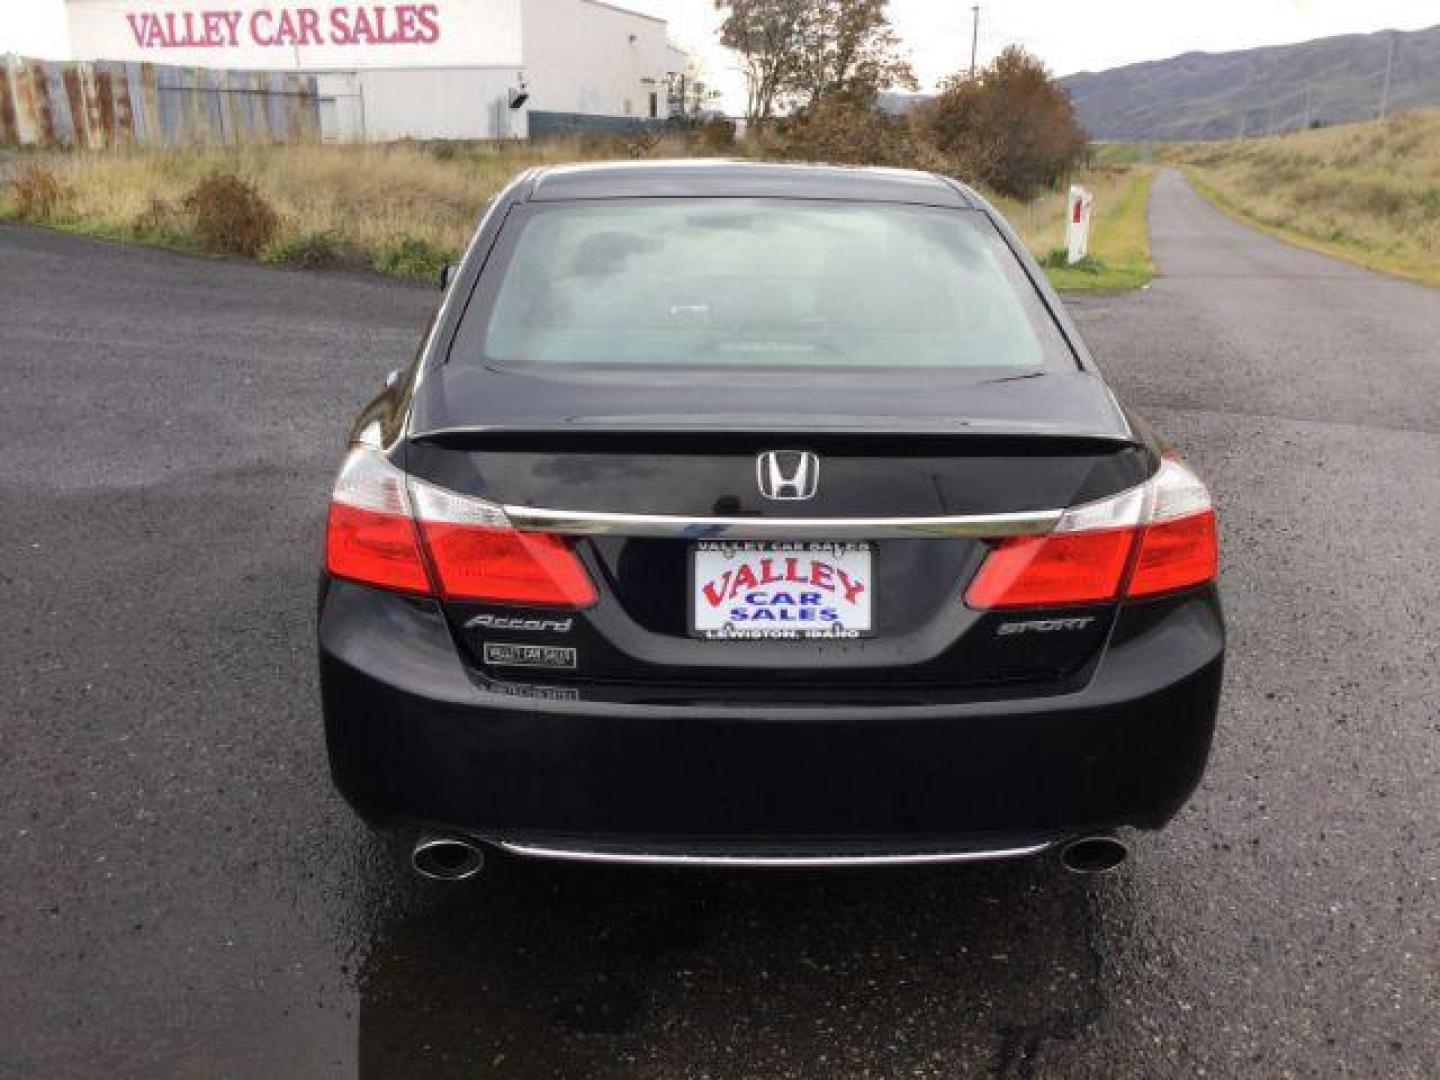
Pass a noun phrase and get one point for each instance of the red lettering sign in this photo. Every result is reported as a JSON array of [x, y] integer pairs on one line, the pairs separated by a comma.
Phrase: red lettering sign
[[287, 27], [821, 575]]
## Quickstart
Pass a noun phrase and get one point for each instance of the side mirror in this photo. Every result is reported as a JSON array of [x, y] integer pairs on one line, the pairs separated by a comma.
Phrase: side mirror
[[392, 378], [446, 273]]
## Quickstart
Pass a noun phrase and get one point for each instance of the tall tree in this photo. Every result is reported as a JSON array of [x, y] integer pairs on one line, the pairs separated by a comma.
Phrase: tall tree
[[1012, 126], [803, 52], [766, 34], [848, 49]]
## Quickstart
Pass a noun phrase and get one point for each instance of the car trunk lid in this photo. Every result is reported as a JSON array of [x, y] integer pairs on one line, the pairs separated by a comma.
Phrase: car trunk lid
[[641, 482]]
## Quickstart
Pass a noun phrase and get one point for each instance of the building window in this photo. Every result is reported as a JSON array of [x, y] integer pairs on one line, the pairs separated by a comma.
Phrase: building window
[[654, 104]]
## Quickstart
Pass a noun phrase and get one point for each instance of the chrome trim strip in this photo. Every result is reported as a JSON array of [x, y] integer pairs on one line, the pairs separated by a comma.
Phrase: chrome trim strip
[[595, 523], [770, 861]]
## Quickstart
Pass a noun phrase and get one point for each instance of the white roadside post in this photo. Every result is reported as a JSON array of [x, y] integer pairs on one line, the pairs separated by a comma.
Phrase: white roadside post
[[1077, 224]]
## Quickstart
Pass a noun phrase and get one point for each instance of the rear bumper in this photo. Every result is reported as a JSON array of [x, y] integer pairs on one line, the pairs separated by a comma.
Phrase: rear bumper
[[415, 739]]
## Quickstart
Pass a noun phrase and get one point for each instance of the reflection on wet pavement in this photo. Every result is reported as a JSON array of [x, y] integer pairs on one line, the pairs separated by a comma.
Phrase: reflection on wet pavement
[[550, 970]]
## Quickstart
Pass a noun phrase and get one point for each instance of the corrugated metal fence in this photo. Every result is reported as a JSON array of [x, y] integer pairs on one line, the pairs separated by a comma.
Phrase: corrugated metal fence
[[108, 103]]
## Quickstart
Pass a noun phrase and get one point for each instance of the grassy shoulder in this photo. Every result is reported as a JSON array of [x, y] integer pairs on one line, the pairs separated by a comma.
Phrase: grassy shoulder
[[1119, 234], [406, 209], [401, 209], [1368, 193]]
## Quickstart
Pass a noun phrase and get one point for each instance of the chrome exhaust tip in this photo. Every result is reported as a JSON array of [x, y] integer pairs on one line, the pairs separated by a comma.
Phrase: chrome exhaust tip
[[446, 858], [1093, 854]]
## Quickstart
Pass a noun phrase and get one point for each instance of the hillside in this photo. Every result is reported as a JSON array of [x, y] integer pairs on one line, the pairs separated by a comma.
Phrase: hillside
[[1259, 91], [1365, 192]]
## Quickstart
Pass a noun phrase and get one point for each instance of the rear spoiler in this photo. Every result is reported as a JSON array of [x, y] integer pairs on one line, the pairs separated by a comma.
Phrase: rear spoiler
[[686, 436]]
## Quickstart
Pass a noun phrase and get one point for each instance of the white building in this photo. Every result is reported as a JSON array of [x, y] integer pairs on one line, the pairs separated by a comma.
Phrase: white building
[[472, 69]]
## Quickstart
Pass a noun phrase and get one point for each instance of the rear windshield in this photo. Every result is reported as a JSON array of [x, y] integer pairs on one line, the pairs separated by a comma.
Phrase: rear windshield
[[756, 282]]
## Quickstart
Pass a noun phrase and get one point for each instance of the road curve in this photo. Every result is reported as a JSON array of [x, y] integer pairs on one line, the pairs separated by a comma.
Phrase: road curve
[[184, 896]]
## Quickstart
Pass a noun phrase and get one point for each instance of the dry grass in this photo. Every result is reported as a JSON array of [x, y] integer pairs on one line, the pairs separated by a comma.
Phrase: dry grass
[[37, 193], [406, 208], [373, 199], [1119, 236], [1366, 192]]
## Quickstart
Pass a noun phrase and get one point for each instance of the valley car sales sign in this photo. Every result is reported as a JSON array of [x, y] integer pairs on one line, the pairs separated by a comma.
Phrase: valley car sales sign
[[397, 24], [750, 591], [256, 34]]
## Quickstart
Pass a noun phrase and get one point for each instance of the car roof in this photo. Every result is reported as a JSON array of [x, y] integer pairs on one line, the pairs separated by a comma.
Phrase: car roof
[[721, 178]]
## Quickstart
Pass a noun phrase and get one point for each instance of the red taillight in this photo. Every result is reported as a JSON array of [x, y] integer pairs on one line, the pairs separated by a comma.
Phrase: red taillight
[[1175, 555], [1050, 571], [470, 552], [375, 549], [370, 536], [1153, 539], [475, 562]]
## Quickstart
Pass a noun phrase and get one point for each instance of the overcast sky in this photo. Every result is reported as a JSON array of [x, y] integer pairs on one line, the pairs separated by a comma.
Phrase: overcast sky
[[1069, 35]]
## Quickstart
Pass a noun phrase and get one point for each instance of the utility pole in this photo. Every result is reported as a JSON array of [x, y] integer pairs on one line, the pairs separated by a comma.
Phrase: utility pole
[[1389, 66], [1305, 124], [974, 38]]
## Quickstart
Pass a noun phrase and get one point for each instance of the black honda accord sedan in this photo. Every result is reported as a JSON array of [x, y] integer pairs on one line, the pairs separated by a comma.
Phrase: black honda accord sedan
[[761, 515]]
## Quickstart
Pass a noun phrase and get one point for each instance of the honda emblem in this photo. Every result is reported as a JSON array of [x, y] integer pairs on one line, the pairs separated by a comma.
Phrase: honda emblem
[[787, 475]]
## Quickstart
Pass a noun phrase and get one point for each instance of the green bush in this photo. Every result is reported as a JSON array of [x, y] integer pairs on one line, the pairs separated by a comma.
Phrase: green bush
[[1059, 259], [231, 217], [846, 132], [1013, 127], [413, 258], [311, 250], [161, 222]]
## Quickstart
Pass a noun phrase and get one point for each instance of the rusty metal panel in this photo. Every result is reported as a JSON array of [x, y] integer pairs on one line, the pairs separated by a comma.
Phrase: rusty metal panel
[[143, 103], [74, 105], [52, 115], [27, 105], [105, 106], [90, 97], [109, 103], [121, 111], [47, 97], [113, 88], [9, 119], [302, 113], [63, 103]]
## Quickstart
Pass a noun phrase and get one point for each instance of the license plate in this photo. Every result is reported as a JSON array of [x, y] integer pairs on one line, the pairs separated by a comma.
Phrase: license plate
[[743, 590]]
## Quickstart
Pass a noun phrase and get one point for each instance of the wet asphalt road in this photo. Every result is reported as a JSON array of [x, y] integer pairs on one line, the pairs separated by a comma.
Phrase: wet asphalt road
[[182, 895]]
